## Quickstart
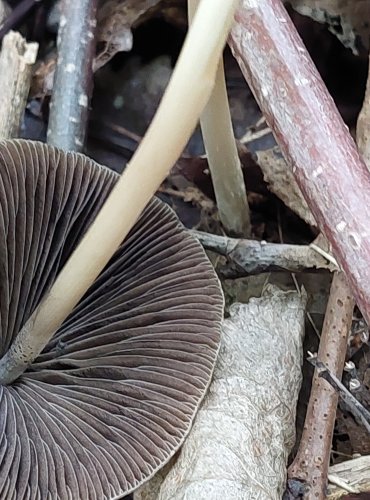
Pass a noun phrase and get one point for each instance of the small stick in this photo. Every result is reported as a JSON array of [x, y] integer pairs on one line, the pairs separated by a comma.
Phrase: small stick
[[321, 411], [355, 406], [247, 257], [73, 76], [253, 136], [16, 16], [222, 154], [16, 60], [156, 154]]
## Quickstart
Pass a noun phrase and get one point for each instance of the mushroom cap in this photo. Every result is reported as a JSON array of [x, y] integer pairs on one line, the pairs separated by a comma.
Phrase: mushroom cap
[[113, 394]]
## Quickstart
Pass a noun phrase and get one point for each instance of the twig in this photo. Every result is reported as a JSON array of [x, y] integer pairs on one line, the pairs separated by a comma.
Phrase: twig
[[247, 257], [321, 411], [16, 60], [355, 406], [253, 136], [16, 16], [222, 154], [325, 254], [310, 132], [341, 483], [73, 76], [158, 151]]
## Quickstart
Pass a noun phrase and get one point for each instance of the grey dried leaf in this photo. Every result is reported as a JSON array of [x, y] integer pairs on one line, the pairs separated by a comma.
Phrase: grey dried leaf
[[346, 19], [113, 394], [115, 19]]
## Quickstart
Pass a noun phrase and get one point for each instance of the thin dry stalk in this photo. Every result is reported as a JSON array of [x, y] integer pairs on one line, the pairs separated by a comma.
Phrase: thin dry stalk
[[311, 134], [73, 77], [16, 60], [157, 153], [222, 155]]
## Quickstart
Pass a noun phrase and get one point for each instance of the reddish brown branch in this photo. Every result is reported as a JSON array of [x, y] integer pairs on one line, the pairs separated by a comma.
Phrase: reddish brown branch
[[311, 134]]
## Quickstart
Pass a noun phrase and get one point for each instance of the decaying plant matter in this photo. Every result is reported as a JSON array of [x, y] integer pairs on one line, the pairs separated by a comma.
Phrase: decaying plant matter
[[101, 405], [244, 431]]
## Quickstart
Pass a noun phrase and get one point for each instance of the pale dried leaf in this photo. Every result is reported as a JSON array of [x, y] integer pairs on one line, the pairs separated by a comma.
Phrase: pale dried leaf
[[281, 182], [356, 473], [244, 431], [115, 19]]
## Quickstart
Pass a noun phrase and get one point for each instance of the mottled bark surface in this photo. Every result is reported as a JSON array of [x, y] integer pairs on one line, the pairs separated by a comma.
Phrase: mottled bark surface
[[312, 461], [73, 76], [310, 132]]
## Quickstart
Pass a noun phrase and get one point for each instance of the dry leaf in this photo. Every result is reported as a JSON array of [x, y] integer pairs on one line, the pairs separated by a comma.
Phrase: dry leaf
[[281, 182], [347, 19], [115, 19]]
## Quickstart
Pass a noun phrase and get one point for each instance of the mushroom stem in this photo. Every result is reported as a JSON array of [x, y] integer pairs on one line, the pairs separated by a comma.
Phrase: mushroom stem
[[222, 154], [158, 151]]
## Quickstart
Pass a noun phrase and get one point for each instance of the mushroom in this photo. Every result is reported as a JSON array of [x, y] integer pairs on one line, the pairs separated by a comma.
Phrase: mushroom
[[113, 394]]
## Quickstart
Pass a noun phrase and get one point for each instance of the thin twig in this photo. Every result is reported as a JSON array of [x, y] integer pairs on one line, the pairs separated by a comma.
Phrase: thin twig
[[16, 61], [247, 257], [16, 16], [321, 411], [355, 406], [253, 136], [73, 77]]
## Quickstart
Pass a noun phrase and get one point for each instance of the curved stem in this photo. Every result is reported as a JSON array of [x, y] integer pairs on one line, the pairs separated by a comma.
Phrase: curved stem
[[168, 134]]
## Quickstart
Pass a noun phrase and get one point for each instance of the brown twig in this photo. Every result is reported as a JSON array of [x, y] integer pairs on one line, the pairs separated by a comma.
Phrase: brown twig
[[73, 76], [312, 460], [247, 257], [311, 134], [16, 60]]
